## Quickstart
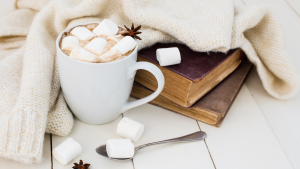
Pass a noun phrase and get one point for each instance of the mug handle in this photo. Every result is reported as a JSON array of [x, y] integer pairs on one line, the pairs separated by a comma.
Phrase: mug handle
[[159, 77]]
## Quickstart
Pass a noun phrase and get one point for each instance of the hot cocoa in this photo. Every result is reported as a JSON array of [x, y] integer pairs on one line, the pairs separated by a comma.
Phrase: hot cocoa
[[97, 43]]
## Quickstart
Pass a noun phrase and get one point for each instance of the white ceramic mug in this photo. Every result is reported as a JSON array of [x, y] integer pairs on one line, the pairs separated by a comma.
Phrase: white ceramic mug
[[98, 92]]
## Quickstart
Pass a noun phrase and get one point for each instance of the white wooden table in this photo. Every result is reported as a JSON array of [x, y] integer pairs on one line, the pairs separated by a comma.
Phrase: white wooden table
[[259, 131]]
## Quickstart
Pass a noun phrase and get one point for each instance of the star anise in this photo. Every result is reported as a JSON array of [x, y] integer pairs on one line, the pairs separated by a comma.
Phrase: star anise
[[81, 165], [132, 32]]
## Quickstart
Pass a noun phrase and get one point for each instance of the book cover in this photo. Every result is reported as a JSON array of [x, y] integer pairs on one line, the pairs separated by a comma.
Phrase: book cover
[[197, 74], [210, 109]]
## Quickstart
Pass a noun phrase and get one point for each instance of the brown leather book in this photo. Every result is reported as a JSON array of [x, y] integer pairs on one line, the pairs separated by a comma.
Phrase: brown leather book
[[197, 74], [210, 109]]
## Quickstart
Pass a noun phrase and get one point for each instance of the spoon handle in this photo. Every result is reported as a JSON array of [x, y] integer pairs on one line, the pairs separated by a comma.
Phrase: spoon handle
[[188, 138]]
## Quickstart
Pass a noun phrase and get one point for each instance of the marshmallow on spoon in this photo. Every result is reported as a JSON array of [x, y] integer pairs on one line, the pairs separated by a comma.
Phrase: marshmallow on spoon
[[119, 148], [106, 27], [67, 151], [69, 42], [82, 33], [96, 45], [81, 54], [168, 56], [130, 129]]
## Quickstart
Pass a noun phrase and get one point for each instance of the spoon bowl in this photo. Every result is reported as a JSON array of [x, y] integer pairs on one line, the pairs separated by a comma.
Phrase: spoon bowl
[[102, 151], [200, 135]]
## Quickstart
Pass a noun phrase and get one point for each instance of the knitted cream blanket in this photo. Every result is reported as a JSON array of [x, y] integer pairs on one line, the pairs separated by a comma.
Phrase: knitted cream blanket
[[31, 102]]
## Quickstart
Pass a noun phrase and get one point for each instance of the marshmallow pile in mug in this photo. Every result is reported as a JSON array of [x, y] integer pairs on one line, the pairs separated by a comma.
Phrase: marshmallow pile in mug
[[97, 43]]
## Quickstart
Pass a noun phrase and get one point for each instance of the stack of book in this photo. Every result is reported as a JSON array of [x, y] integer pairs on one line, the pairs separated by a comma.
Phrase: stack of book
[[203, 86]]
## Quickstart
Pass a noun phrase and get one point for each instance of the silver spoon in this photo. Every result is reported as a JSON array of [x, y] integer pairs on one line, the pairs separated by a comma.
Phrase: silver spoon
[[188, 138]]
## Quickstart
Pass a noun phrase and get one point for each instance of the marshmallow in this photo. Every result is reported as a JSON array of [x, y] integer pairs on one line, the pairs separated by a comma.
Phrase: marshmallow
[[67, 151], [130, 129], [82, 33], [92, 26], [66, 52], [83, 43], [168, 56], [109, 56], [109, 45], [81, 54], [116, 38], [119, 148], [69, 42], [96, 46], [106, 27], [125, 45]]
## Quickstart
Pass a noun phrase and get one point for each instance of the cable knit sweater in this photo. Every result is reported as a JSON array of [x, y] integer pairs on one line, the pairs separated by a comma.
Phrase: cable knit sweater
[[31, 102]]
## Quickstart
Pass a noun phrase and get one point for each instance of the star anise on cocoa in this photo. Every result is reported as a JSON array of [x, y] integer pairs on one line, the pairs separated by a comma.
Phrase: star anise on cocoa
[[133, 32], [81, 165]]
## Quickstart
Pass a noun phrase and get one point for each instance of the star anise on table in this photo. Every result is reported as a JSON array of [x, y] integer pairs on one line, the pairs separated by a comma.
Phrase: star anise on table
[[133, 32], [81, 165]]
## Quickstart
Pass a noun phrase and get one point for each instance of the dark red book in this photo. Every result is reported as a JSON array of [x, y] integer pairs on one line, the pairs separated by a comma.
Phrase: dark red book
[[196, 75], [211, 108]]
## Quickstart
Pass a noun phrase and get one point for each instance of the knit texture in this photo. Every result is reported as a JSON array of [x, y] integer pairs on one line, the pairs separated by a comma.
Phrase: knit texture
[[31, 102]]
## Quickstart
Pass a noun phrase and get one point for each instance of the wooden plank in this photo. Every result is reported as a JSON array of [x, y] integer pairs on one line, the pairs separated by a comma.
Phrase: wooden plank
[[44, 164], [282, 115], [244, 140], [90, 137], [161, 124], [295, 5]]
